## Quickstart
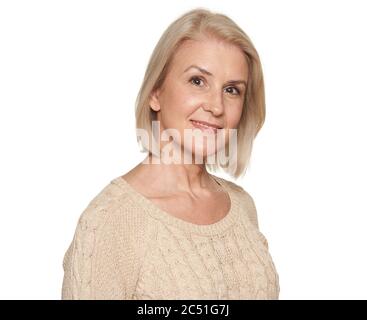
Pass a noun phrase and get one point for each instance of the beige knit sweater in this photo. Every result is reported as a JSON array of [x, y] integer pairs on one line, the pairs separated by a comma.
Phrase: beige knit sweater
[[126, 247]]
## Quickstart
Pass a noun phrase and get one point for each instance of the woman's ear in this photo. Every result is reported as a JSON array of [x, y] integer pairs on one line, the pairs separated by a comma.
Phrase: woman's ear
[[154, 101]]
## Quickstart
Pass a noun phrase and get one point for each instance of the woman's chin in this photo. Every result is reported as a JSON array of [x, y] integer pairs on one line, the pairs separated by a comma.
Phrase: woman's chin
[[200, 154]]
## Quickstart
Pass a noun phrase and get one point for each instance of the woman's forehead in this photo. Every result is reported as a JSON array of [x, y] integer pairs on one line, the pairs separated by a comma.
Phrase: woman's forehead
[[210, 55]]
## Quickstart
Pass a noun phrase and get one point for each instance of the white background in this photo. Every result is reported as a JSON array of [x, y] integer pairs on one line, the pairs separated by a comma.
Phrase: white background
[[69, 75]]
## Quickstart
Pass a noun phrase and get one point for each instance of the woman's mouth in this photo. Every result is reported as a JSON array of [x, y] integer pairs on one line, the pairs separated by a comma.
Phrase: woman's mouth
[[205, 127]]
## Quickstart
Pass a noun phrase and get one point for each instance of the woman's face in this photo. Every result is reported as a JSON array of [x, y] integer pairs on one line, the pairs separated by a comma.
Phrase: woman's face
[[206, 82]]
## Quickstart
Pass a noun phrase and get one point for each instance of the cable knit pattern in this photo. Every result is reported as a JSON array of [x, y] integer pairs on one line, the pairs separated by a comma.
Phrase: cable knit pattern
[[126, 247]]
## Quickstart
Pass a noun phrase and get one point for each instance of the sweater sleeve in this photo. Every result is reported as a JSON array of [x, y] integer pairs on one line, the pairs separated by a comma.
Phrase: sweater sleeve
[[101, 262], [66, 284], [252, 214]]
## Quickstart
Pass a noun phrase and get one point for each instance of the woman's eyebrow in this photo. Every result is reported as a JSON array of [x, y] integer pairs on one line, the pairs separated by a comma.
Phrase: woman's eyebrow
[[202, 70]]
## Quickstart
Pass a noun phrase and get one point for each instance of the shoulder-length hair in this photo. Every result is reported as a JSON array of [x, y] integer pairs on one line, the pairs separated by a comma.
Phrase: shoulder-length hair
[[192, 26]]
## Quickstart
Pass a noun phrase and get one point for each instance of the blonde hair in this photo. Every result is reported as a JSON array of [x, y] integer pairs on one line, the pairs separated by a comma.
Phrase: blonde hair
[[190, 26]]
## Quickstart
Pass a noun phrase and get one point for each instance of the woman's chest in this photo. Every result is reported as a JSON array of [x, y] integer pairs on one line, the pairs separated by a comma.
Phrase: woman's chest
[[201, 210], [233, 265]]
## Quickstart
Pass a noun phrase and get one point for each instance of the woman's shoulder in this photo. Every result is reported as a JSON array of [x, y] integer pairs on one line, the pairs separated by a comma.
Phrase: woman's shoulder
[[246, 201], [113, 214], [104, 203], [108, 240], [236, 188]]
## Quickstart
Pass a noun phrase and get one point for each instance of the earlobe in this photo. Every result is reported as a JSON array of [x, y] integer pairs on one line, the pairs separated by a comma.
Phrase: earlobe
[[154, 102], [154, 107]]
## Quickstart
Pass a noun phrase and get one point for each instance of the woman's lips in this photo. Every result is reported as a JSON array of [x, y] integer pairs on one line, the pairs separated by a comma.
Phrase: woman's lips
[[204, 127]]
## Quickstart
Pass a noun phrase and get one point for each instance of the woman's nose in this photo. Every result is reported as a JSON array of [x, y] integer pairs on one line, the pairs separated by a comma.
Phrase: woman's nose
[[214, 103]]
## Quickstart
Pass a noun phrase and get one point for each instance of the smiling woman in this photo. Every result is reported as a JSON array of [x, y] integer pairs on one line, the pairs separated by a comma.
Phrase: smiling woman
[[208, 61], [202, 95], [175, 231]]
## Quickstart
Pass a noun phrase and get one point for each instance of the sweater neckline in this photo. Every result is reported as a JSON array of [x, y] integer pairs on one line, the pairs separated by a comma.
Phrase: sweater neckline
[[204, 229]]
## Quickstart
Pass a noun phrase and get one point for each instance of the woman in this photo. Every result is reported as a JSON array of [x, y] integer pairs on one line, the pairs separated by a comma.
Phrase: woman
[[171, 230]]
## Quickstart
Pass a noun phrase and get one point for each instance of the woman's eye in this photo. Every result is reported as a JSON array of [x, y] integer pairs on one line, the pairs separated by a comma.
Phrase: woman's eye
[[235, 89], [195, 80]]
